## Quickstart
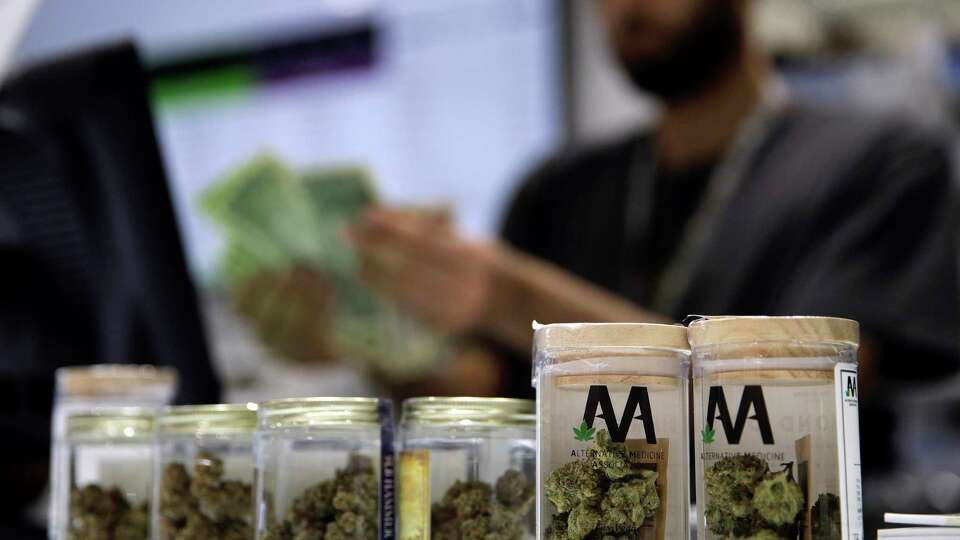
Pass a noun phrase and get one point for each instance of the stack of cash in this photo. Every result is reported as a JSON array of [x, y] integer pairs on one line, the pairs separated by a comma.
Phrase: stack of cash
[[289, 267]]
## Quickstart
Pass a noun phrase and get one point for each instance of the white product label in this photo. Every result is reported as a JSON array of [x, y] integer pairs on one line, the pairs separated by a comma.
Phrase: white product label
[[848, 444]]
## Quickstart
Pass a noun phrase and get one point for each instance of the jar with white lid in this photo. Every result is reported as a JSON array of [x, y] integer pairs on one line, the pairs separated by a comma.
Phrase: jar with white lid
[[87, 389], [324, 469], [466, 468], [203, 478], [777, 442], [106, 481], [612, 406]]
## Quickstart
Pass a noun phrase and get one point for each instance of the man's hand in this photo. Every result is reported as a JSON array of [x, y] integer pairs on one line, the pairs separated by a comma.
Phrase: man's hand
[[416, 258], [462, 286]]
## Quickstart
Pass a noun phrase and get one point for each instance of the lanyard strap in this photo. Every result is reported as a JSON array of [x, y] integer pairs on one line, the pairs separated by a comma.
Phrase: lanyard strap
[[723, 184]]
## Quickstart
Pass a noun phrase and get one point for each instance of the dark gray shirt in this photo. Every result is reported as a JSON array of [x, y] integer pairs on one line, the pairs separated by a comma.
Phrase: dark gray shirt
[[837, 214]]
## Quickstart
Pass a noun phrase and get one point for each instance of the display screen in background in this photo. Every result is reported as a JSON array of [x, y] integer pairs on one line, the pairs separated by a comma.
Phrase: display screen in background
[[445, 102]]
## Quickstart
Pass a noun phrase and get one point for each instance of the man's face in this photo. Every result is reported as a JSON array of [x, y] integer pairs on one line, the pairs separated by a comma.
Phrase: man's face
[[674, 48]]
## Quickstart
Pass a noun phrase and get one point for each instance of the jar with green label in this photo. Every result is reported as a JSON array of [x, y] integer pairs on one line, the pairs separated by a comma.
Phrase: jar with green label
[[325, 469], [105, 488], [204, 471], [777, 440], [467, 468], [612, 406]]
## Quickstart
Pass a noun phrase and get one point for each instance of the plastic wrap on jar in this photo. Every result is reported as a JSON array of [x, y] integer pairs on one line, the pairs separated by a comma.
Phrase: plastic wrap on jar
[[777, 440], [612, 405]]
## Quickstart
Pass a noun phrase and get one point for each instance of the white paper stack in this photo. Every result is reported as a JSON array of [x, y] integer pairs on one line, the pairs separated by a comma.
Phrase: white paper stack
[[938, 526]]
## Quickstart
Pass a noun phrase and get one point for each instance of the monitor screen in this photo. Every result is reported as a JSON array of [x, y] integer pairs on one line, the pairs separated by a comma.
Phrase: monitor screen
[[444, 102]]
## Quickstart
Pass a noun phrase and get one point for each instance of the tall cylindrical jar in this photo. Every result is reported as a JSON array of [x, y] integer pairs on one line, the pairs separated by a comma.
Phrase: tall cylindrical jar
[[106, 480], [203, 474], [777, 448], [466, 468], [325, 469], [87, 389], [612, 450]]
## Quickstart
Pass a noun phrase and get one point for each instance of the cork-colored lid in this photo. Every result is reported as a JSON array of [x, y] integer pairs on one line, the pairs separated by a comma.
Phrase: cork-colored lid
[[610, 335], [794, 330], [105, 380]]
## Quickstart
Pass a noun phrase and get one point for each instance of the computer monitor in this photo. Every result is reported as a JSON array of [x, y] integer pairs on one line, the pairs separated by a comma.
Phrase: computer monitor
[[94, 270]]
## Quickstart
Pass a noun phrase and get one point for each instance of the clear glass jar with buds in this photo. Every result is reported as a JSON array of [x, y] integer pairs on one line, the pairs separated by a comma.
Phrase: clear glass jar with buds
[[467, 468], [106, 482], [87, 389], [324, 469], [776, 416], [613, 445], [204, 468]]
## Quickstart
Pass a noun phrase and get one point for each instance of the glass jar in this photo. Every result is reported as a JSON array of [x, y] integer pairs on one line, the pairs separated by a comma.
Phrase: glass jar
[[87, 389], [324, 469], [612, 409], [466, 468], [204, 472], [106, 484], [777, 429]]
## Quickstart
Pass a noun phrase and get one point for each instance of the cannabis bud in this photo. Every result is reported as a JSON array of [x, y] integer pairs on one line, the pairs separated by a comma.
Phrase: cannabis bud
[[825, 518], [607, 495], [746, 500], [97, 513], [342, 508], [205, 505], [478, 511]]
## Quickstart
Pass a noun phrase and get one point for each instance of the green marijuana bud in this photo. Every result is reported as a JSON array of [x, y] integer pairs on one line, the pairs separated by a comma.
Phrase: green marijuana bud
[[610, 458], [477, 511], [825, 517], [105, 514], [627, 505], [514, 490], [778, 498], [204, 506], [730, 484], [582, 521], [342, 508], [574, 483], [746, 500], [606, 496]]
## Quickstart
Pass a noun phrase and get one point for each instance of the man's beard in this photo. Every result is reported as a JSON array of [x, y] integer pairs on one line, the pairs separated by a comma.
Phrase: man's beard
[[696, 58]]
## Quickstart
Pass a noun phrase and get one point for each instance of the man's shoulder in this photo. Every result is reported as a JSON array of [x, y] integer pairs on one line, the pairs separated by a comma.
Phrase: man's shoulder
[[856, 130], [838, 152]]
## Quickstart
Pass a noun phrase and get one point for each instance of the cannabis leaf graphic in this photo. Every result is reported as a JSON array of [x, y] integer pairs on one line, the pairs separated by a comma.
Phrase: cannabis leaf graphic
[[708, 435], [584, 432]]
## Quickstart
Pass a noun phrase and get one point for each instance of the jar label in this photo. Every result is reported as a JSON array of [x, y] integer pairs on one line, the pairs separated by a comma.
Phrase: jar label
[[848, 443], [769, 458], [414, 489], [608, 471]]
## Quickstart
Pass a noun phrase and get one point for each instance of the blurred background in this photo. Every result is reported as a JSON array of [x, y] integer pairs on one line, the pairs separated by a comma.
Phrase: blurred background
[[439, 107]]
